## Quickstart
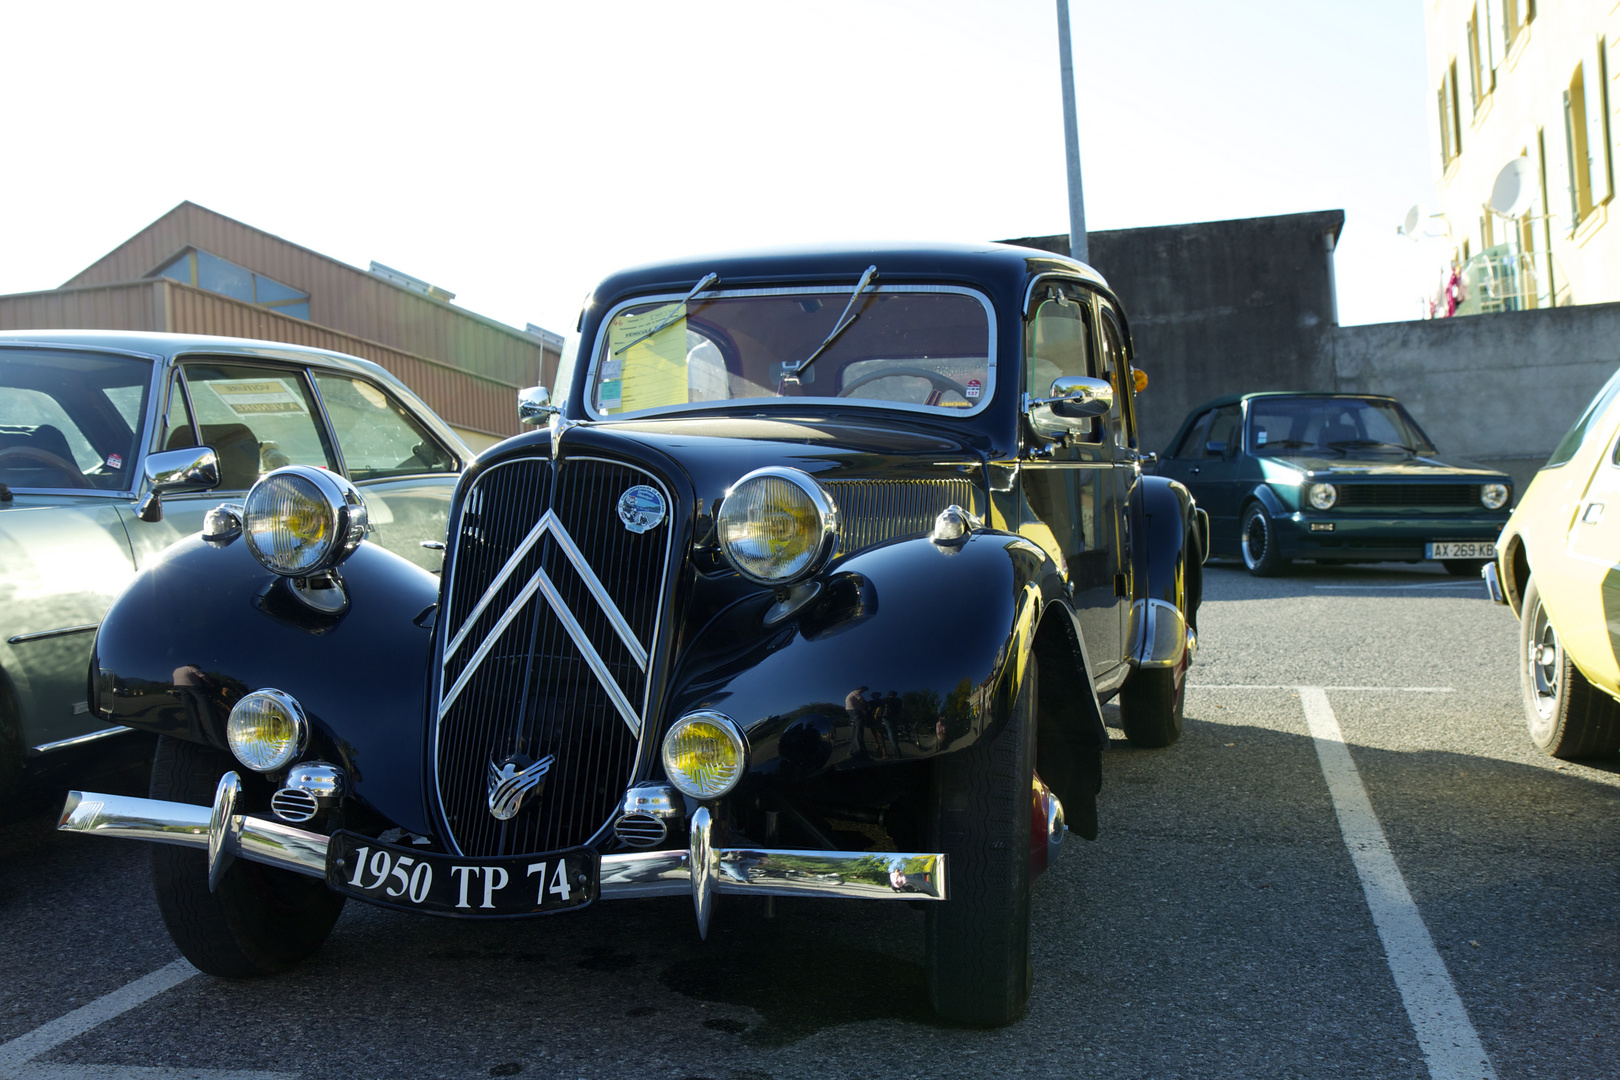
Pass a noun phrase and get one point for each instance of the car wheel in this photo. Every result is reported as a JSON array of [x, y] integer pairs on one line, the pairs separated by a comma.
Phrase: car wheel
[[1258, 539], [977, 941], [1151, 704], [1463, 567], [261, 920], [1568, 716]]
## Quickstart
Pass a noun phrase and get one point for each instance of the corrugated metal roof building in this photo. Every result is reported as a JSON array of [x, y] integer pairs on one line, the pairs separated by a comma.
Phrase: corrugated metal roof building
[[198, 272]]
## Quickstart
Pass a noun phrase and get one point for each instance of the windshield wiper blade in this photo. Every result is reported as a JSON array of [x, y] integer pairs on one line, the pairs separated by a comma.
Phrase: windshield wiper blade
[[678, 311], [843, 323], [1372, 442]]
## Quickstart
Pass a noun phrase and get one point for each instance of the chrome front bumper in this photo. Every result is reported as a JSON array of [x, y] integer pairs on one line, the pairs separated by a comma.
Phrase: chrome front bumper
[[701, 870]]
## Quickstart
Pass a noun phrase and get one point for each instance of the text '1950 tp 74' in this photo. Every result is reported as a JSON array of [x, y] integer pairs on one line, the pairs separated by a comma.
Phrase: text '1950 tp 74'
[[808, 583]]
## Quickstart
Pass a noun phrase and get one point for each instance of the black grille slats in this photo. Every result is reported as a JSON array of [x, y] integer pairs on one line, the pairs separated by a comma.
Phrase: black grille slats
[[534, 692], [1408, 496], [872, 512]]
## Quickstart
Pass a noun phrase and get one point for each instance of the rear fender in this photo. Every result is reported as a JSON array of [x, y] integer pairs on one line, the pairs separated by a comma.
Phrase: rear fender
[[912, 650], [205, 624]]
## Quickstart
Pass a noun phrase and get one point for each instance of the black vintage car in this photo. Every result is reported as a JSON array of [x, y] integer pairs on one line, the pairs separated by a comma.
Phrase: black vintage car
[[759, 611]]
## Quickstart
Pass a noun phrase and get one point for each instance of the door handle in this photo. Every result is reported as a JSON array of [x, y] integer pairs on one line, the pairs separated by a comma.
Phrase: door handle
[[1592, 514], [1193, 470]]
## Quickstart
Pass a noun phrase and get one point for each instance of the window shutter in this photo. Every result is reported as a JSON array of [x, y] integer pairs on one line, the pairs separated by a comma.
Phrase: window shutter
[[1570, 164], [1596, 82], [1494, 46]]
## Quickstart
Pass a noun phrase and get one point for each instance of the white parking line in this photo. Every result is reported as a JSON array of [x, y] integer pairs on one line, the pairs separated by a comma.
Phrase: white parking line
[[1434, 585], [1261, 686], [1450, 1045], [33, 1071]]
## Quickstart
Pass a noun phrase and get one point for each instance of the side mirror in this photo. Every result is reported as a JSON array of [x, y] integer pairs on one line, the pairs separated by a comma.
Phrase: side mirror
[[534, 405], [176, 470], [1215, 448], [1074, 400]]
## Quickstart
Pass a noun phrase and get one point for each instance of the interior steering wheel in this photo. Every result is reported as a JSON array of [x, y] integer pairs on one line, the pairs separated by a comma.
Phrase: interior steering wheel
[[939, 382], [68, 469]]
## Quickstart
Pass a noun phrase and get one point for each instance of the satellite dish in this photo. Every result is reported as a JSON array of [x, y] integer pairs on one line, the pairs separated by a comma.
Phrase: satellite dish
[[1514, 191], [1415, 218]]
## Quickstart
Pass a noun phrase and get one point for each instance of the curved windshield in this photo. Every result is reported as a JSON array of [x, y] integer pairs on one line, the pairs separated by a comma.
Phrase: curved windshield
[[916, 348], [70, 419], [1339, 425]]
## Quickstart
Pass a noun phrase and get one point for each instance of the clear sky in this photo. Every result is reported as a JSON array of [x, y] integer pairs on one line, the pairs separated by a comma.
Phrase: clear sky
[[515, 153]]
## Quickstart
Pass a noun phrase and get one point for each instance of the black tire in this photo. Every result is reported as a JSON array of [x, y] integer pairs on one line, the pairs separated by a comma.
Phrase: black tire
[[262, 920], [1463, 567], [1151, 704], [11, 749], [978, 943], [1568, 717], [1257, 541]]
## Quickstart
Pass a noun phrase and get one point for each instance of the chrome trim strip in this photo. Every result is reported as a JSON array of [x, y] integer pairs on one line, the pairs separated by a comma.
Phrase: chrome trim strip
[[511, 563], [625, 875], [620, 624], [477, 659], [588, 651], [1085, 275], [79, 740], [41, 635]]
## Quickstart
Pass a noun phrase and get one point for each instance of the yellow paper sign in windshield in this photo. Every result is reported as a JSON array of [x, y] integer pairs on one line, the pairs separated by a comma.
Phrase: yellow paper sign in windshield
[[652, 372]]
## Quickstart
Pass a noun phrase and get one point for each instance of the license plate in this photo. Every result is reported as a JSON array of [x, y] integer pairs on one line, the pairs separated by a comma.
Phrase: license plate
[[1459, 549], [415, 880]]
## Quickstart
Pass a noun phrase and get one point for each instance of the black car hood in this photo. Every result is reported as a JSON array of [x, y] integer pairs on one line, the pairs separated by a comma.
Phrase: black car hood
[[1403, 468]]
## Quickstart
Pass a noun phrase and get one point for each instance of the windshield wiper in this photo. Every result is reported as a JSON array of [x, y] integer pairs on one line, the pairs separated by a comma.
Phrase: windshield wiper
[[843, 323], [677, 312], [1372, 442]]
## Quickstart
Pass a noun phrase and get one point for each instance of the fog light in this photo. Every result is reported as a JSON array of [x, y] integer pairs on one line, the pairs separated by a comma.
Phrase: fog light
[[1493, 496], [266, 730], [704, 756]]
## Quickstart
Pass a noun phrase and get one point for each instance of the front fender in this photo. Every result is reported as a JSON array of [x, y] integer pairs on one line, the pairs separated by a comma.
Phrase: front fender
[[205, 624], [1168, 561], [911, 650]]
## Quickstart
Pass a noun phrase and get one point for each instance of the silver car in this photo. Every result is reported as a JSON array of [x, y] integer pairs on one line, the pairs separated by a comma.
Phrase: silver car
[[114, 445]]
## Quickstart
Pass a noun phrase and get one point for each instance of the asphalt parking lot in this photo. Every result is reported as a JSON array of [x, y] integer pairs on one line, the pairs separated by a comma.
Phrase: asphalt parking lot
[[1244, 913]]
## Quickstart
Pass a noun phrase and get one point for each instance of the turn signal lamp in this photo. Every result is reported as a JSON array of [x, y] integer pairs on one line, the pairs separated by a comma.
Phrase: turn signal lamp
[[1139, 379], [266, 730], [300, 520], [704, 756], [1493, 496], [777, 526]]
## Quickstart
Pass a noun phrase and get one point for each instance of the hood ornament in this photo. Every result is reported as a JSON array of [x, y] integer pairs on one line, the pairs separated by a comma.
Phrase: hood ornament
[[642, 508], [513, 781]]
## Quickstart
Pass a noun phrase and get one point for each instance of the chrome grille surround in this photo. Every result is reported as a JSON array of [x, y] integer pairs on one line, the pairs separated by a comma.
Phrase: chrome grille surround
[[547, 636], [872, 512], [1354, 495]]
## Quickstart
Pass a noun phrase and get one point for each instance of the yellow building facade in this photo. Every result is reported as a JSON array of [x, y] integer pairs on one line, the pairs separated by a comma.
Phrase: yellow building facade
[[1511, 79]]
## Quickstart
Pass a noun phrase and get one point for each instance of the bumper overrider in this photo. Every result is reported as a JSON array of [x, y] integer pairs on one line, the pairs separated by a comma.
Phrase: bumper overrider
[[702, 869]]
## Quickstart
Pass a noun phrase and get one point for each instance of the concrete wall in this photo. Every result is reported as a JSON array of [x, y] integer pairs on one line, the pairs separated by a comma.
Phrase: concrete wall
[[1219, 307], [1500, 389]]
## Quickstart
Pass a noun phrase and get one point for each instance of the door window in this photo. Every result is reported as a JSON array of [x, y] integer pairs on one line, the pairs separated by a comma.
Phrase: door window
[[1192, 446], [1117, 370], [378, 436], [255, 418], [1223, 428], [70, 419], [1058, 343]]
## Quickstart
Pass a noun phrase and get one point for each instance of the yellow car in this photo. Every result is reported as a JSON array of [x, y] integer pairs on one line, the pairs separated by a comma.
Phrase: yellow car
[[1558, 565]]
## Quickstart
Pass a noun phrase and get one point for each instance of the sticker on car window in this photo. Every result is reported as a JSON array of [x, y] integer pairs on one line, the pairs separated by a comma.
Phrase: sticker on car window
[[1259, 436], [652, 370], [251, 397]]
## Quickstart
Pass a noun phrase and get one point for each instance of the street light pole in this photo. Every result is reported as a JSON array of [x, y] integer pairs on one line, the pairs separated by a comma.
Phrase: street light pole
[[1071, 140]]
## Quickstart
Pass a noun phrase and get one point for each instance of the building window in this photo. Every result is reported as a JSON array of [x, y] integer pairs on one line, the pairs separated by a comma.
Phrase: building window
[[199, 268], [1481, 78], [1450, 136], [1577, 149], [1516, 16]]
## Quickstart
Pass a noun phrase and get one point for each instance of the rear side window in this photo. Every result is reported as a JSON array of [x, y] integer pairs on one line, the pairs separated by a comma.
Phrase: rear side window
[[377, 435], [1572, 441]]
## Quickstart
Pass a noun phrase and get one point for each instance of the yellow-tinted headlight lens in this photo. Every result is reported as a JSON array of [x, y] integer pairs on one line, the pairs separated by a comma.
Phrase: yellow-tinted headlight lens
[[1494, 496], [300, 520], [266, 730], [703, 755], [776, 526]]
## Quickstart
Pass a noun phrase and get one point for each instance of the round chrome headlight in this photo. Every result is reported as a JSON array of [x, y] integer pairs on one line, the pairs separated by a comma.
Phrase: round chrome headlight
[[704, 755], [300, 520], [266, 730], [1493, 496], [1323, 496], [777, 526]]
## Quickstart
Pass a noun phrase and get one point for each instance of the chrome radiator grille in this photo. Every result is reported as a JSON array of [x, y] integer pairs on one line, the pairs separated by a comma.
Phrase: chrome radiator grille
[[871, 512], [550, 622], [1409, 495]]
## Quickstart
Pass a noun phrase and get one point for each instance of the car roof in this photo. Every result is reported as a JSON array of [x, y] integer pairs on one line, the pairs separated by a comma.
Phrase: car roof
[[985, 263], [1234, 399]]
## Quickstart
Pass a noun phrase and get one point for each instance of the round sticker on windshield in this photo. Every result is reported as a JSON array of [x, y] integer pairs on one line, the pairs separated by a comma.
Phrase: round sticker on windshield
[[973, 387], [641, 508]]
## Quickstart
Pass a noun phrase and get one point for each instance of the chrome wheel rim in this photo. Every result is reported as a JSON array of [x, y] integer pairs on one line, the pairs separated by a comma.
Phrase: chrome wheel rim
[[1544, 663], [1255, 541]]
